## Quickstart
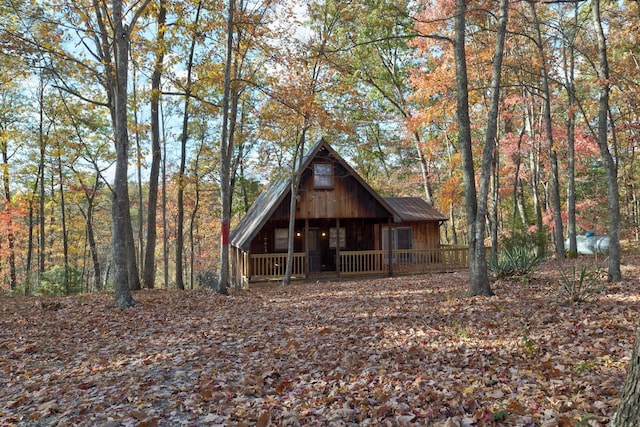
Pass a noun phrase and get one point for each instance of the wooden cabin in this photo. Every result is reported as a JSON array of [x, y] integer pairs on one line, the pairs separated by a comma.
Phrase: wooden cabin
[[342, 228]]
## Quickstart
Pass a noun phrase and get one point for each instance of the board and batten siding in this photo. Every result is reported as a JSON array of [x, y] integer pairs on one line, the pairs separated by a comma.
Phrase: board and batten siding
[[424, 235], [346, 199]]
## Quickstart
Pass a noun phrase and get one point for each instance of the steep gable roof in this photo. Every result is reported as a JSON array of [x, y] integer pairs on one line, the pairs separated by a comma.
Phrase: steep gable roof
[[411, 209], [269, 200]]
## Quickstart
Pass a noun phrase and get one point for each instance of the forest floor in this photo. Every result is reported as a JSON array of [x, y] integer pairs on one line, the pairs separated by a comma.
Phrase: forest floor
[[411, 350]]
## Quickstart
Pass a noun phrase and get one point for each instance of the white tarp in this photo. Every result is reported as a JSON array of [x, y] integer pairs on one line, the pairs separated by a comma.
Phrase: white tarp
[[591, 244]]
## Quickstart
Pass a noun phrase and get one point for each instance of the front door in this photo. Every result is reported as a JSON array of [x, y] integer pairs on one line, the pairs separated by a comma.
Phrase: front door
[[315, 256]]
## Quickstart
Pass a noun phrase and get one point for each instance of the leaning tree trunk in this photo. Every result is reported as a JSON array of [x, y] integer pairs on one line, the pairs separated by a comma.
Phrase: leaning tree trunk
[[63, 217], [295, 184], [479, 283], [483, 285], [91, 236]]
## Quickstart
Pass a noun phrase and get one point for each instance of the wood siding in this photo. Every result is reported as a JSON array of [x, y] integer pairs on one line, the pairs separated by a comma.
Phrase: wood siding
[[425, 235], [347, 199]]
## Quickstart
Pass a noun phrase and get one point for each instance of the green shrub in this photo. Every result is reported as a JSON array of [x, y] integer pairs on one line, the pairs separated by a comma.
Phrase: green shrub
[[581, 286], [517, 261], [60, 281]]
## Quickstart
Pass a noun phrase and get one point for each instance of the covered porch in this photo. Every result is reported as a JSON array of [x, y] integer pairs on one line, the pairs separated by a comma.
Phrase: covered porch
[[271, 267], [342, 248]]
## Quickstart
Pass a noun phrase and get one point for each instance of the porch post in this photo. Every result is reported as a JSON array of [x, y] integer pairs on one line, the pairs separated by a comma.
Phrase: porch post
[[306, 247], [338, 246], [390, 240], [248, 265]]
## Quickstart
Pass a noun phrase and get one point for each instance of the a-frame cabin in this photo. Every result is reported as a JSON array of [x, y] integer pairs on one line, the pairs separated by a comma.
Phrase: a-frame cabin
[[342, 227]]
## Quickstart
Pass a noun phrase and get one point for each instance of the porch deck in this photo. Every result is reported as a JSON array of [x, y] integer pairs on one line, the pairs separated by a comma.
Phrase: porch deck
[[271, 267]]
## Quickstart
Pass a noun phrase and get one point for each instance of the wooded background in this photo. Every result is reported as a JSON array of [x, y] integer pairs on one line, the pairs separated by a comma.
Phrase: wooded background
[[162, 108]]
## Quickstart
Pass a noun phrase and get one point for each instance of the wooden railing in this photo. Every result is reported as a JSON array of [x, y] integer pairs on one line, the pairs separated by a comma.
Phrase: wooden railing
[[405, 261], [375, 262], [363, 262], [267, 266]]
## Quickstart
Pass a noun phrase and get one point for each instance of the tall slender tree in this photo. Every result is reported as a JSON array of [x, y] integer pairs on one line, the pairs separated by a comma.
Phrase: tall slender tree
[[226, 154], [548, 132], [182, 182], [149, 264], [476, 207], [610, 164]]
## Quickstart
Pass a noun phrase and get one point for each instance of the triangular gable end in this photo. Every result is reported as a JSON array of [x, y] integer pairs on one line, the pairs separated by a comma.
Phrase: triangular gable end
[[265, 205]]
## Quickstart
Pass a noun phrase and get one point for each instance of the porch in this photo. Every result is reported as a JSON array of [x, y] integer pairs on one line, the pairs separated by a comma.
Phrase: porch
[[251, 268]]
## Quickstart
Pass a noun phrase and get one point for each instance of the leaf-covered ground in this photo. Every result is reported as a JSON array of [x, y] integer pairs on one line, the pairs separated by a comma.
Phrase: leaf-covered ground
[[392, 351]]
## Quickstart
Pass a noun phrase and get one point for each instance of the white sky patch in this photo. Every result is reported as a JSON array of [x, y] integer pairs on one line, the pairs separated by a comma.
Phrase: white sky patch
[[291, 19]]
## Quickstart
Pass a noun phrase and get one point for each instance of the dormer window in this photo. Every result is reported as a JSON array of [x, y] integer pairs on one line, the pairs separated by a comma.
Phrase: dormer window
[[323, 175]]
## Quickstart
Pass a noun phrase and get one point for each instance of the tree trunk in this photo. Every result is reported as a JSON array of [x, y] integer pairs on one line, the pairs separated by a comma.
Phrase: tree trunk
[[226, 151], [628, 412], [571, 190], [517, 206], [614, 273], [120, 207], [452, 220], [464, 139], [495, 199], [13, 279], [132, 267], [569, 71], [295, 183], [63, 218], [193, 217], [165, 224], [553, 158], [179, 278], [27, 282], [136, 125], [91, 237], [534, 166], [41, 192], [182, 179], [149, 264], [424, 169], [477, 207]]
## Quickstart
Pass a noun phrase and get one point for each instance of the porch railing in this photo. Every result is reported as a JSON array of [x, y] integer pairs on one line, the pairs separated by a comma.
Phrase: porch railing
[[374, 262], [268, 266], [404, 261]]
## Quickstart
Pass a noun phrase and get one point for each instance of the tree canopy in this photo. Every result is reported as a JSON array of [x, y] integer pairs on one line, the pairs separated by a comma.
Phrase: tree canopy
[[105, 140]]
